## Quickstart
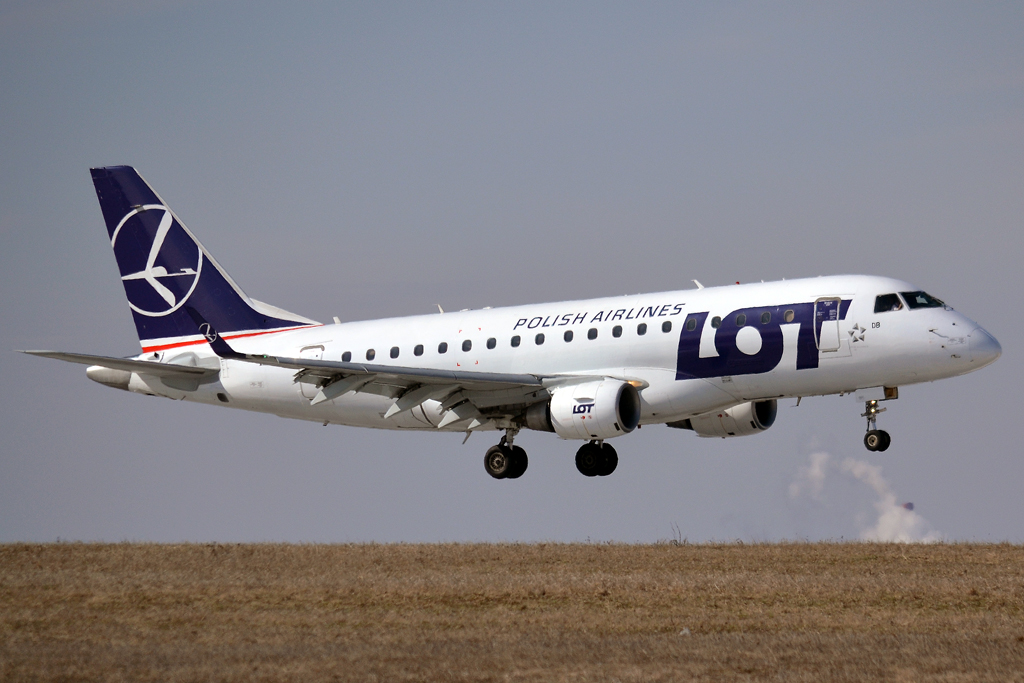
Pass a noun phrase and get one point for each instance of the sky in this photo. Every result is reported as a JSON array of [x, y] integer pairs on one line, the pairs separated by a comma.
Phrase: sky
[[369, 160]]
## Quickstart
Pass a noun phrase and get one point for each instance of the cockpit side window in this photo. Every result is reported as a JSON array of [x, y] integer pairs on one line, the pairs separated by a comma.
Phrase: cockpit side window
[[921, 300], [887, 302]]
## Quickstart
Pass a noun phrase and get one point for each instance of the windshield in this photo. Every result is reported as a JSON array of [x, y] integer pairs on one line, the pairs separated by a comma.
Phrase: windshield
[[887, 302], [921, 300]]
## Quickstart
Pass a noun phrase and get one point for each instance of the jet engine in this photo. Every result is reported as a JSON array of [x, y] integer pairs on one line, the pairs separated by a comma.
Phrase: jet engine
[[742, 420], [592, 410]]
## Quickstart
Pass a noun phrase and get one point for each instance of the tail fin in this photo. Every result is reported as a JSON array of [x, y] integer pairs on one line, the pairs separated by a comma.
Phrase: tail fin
[[163, 266]]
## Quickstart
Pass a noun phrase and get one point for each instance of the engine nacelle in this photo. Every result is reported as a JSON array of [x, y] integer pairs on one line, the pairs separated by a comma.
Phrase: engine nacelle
[[742, 420], [592, 410]]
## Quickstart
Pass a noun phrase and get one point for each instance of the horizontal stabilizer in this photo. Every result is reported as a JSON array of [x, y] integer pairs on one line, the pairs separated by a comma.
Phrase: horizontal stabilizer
[[140, 366]]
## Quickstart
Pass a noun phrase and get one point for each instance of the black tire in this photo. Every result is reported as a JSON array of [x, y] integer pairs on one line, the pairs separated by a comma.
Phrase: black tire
[[498, 461], [609, 460], [886, 440], [588, 460], [519, 463], [873, 440]]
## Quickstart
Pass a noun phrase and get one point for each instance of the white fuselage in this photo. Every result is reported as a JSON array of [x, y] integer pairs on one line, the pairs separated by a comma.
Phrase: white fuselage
[[871, 349]]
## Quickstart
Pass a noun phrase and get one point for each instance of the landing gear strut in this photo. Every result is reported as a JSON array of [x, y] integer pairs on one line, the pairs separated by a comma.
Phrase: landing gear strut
[[506, 461], [875, 439], [596, 459]]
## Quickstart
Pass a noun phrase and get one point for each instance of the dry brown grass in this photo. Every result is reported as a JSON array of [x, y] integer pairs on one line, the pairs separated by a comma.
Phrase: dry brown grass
[[795, 612]]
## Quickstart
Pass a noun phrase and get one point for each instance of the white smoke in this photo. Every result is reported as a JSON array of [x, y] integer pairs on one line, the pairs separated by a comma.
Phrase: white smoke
[[895, 523], [811, 478]]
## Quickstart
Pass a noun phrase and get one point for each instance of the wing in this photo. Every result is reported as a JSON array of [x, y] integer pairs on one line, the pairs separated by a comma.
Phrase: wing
[[466, 396], [478, 399]]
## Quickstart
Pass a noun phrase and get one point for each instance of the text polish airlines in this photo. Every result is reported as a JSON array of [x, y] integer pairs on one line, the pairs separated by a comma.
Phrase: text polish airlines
[[713, 360]]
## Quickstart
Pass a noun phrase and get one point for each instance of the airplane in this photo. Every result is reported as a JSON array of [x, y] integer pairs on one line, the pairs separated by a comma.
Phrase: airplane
[[712, 360]]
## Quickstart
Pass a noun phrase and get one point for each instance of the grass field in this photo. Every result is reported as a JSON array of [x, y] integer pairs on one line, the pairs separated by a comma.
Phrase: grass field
[[793, 612]]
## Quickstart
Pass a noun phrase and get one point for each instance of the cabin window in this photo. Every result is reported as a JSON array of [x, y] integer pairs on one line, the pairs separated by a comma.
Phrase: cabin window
[[716, 322], [666, 326], [592, 333], [921, 300], [346, 357], [539, 339], [418, 350], [442, 347], [741, 320], [691, 324], [887, 302], [492, 342], [394, 352], [370, 354], [766, 318], [515, 341], [788, 317], [617, 331], [641, 329], [467, 345], [567, 336]]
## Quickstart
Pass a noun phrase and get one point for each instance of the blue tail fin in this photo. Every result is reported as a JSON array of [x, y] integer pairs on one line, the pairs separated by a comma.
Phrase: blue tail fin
[[163, 266]]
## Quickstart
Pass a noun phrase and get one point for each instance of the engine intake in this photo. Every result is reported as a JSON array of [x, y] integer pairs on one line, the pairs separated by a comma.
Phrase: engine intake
[[741, 420], [592, 410]]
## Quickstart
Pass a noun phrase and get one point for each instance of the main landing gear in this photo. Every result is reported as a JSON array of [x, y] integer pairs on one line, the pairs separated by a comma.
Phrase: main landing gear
[[875, 439], [596, 459], [506, 461]]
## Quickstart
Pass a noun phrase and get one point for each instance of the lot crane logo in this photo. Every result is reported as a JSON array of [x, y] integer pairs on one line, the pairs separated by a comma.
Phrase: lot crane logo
[[159, 260]]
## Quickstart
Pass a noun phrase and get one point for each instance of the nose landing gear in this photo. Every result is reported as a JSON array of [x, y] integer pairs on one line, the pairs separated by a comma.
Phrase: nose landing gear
[[875, 439], [506, 461]]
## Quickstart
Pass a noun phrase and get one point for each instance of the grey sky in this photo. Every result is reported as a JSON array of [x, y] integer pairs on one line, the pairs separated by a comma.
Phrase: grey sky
[[371, 160]]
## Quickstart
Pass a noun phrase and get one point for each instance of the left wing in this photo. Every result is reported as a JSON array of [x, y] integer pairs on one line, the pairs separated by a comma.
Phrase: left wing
[[477, 398]]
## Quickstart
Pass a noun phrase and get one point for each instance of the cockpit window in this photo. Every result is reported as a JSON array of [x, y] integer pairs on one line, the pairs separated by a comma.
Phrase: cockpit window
[[921, 300], [887, 302]]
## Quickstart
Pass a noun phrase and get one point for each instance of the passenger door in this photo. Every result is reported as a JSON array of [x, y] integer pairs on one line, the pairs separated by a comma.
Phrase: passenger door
[[826, 323]]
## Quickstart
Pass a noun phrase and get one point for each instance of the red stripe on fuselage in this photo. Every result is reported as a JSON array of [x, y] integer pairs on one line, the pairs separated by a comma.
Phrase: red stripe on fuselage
[[226, 337]]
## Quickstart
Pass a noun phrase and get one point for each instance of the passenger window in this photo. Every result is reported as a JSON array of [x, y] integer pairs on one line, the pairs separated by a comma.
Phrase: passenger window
[[346, 357], [788, 317], [741, 320], [515, 341], [467, 345], [716, 322], [766, 318], [394, 352], [921, 300], [539, 339], [666, 326], [641, 329], [418, 351], [492, 342], [691, 324], [442, 347], [617, 331], [592, 333], [567, 336], [887, 302], [370, 354]]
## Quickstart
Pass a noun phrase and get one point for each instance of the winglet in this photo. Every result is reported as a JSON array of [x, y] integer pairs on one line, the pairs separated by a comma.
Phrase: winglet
[[217, 343]]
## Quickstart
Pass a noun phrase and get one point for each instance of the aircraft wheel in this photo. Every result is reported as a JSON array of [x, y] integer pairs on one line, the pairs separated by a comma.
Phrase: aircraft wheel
[[886, 440], [609, 460], [588, 460], [498, 461], [874, 440], [519, 463]]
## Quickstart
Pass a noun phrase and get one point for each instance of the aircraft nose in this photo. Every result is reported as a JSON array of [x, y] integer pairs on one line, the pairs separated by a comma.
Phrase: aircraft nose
[[984, 348]]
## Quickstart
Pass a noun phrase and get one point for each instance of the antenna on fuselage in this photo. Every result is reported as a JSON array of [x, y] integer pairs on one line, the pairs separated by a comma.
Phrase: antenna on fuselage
[[699, 285], [439, 309]]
